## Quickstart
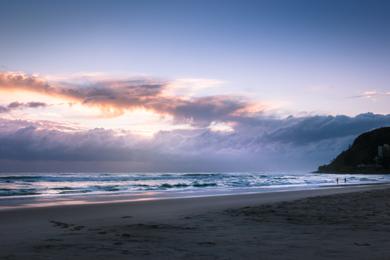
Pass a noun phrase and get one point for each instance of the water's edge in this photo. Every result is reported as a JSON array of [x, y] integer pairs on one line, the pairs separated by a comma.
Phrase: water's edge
[[24, 189]]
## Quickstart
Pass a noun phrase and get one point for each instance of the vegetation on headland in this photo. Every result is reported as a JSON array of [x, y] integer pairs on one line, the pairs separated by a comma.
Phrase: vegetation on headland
[[369, 153]]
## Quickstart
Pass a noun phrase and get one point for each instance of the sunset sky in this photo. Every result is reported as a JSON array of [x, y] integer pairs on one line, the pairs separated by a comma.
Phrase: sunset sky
[[189, 85]]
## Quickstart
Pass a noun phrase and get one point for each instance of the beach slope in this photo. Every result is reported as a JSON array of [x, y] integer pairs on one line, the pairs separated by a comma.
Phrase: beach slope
[[338, 223]]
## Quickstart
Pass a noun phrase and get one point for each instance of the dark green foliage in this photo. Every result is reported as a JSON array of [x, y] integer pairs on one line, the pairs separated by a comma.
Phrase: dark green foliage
[[362, 155]]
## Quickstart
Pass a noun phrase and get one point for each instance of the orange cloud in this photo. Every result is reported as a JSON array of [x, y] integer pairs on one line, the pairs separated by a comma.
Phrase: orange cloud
[[113, 97]]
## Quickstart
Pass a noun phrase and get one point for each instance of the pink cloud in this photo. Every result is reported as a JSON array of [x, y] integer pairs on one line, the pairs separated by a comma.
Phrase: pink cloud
[[113, 97]]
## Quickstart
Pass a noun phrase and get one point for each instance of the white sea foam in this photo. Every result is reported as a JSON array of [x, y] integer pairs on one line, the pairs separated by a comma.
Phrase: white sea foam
[[63, 184]]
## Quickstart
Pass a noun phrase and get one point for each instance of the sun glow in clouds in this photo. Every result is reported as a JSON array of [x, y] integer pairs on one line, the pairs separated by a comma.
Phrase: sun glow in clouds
[[139, 121], [140, 105], [221, 127]]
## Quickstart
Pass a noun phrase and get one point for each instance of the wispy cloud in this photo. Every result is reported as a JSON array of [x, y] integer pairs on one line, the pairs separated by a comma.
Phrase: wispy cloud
[[18, 105], [372, 94]]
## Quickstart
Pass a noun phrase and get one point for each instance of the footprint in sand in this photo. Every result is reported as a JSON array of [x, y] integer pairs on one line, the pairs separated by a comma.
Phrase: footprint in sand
[[362, 244], [207, 243]]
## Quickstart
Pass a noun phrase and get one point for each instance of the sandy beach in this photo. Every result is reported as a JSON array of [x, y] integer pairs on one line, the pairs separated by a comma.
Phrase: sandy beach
[[331, 223]]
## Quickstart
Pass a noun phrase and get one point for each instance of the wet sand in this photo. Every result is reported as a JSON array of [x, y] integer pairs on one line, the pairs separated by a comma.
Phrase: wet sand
[[331, 223]]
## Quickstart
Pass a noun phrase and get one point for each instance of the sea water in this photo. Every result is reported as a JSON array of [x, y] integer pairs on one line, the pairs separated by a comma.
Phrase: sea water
[[23, 185]]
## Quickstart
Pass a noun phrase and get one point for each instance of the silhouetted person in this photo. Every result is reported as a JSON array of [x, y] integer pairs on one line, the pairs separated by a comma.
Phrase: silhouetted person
[[337, 180], [345, 180]]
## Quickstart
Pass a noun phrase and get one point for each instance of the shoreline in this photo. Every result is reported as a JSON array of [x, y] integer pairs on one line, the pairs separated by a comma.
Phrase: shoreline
[[23, 202]]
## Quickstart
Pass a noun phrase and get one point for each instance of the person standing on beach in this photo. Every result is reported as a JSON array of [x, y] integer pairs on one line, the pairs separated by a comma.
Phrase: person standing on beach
[[337, 180]]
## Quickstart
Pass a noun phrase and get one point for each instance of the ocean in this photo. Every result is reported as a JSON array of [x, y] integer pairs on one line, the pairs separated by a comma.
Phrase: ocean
[[36, 188]]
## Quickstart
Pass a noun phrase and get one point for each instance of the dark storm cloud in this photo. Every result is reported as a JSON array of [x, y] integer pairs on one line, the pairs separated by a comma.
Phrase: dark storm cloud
[[291, 142], [31, 143], [317, 128]]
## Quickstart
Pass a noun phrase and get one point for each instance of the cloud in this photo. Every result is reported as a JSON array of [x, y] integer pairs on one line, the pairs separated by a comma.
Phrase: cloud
[[268, 143], [30, 141], [18, 105], [372, 94], [113, 97], [301, 131], [231, 133], [191, 86]]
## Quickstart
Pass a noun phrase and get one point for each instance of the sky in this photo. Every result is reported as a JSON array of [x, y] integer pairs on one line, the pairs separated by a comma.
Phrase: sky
[[189, 85]]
